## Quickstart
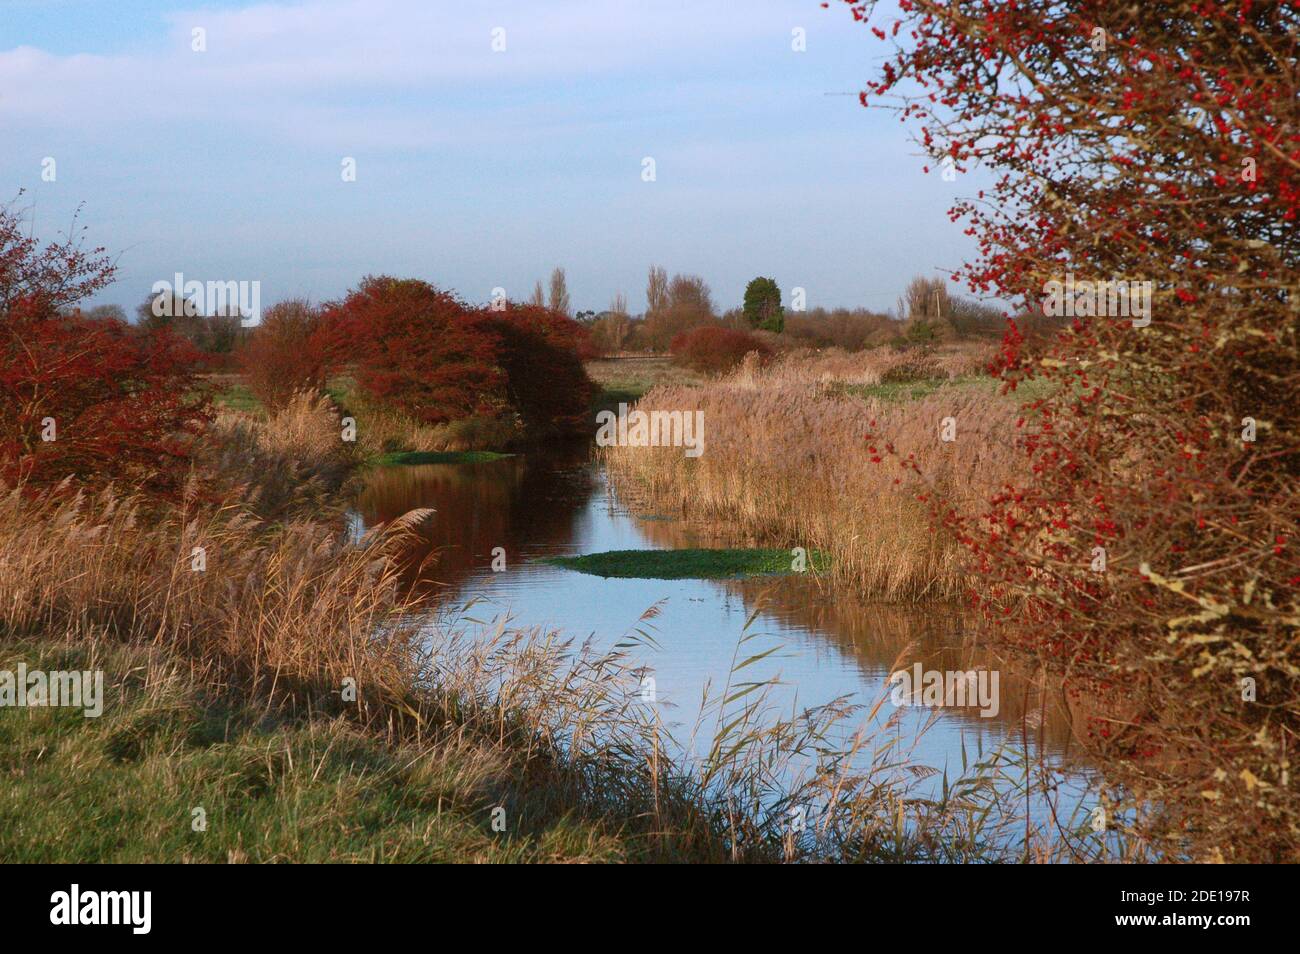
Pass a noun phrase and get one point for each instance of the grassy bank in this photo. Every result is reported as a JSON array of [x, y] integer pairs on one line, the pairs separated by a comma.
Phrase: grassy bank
[[285, 684], [438, 457], [630, 378], [175, 772]]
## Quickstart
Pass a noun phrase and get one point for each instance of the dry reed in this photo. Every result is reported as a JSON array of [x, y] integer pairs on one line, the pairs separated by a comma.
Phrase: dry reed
[[284, 612], [786, 460]]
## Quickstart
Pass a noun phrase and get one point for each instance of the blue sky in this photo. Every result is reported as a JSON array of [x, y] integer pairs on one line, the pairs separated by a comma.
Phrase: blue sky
[[475, 168]]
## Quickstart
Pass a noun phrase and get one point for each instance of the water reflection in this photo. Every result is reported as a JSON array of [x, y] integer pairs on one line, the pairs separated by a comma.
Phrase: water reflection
[[831, 647], [522, 505]]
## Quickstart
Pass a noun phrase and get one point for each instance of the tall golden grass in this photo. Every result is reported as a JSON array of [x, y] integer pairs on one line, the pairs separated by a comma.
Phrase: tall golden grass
[[785, 460], [381, 430], [286, 612], [833, 366]]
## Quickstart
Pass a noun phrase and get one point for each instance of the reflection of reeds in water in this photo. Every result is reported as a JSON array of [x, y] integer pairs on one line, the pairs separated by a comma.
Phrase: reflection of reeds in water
[[478, 507], [939, 635], [471, 515], [887, 637]]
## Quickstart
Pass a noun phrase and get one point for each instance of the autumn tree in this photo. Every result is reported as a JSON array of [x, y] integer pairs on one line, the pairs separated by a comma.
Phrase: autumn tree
[[1148, 556], [420, 349], [426, 353], [539, 352], [714, 349], [681, 304], [288, 351], [85, 402]]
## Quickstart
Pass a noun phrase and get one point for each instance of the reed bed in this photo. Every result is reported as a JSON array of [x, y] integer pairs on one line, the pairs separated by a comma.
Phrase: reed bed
[[813, 369], [290, 624], [786, 461], [284, 619]]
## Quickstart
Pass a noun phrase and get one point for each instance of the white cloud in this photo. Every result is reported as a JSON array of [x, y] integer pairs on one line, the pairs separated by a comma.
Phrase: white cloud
[[330, 65]]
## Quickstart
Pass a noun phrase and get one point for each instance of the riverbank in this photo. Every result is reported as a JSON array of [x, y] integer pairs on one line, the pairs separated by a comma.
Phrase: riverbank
[[258, 665], [243, 676], [385, 436], [786, 460], [232, 780]]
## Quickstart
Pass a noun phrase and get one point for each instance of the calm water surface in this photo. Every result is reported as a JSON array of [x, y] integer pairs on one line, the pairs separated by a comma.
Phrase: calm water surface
[[563, 503]]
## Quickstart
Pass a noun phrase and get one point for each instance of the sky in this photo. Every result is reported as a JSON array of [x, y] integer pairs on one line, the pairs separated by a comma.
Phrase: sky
[[475, 168]]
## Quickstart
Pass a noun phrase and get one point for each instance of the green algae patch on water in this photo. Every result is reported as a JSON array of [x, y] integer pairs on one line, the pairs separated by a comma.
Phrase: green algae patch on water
[[692, 564], [439, 457]]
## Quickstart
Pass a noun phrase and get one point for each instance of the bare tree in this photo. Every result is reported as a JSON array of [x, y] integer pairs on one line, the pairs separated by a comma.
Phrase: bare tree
[[559, 292], [925, 298], [656, 290], [539, 296], [612, 328], [691, 293]]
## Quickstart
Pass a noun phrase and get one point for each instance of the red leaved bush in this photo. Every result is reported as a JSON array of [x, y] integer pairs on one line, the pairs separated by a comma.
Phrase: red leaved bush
[[1148, 555], [427, 353], [713, 348], [93, 401], [288, 351], [419, 349], [540, 353]]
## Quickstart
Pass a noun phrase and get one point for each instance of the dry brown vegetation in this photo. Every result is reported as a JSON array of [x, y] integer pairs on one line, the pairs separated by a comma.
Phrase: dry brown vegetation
[[286, 613], [785, 460]]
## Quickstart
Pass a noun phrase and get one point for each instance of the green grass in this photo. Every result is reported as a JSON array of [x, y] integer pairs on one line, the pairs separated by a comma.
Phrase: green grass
[[897, 391], [687, 564], [439, 457], [915, 390], [123, 787], [625, 381], [340, 389], [609, 398], [237, 397]]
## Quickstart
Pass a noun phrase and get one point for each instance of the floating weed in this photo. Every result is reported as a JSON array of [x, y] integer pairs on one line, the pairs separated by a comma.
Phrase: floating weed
[[687, 563]]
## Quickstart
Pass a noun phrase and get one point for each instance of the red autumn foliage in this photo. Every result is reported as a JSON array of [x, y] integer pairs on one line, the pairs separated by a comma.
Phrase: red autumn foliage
[[92, 401], [427, 353], [419, 349], [540, 352], [713, 348], [1161, 143], [288, 351]]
